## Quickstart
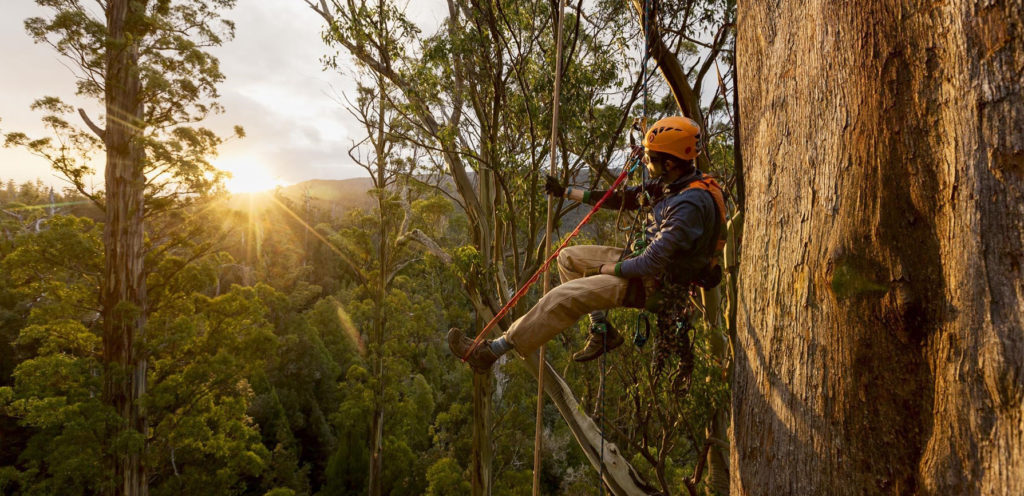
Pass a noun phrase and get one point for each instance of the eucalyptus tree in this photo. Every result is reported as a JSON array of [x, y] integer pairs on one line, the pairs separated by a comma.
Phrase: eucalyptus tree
[[880, 337], [147, 62], [476, 94], [379, 154]]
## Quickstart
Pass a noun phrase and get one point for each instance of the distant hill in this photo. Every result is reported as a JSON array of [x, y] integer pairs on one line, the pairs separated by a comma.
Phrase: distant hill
[[335, 197], [332, 195]]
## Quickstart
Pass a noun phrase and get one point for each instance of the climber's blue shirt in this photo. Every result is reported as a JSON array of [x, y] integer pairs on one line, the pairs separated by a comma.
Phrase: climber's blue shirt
[[678, 228]]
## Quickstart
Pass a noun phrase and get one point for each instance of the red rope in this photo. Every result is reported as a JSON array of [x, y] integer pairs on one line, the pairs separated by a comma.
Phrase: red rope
[[522, 291]]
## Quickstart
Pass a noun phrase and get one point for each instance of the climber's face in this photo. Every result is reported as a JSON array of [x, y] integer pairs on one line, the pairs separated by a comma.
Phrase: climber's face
[[655, 165]]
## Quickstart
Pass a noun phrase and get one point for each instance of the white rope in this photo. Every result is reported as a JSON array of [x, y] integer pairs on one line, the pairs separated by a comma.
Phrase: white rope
[[538, 432]]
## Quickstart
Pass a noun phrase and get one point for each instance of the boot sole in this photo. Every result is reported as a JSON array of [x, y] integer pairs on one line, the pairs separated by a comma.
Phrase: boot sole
[[459, 344], [611, 346]]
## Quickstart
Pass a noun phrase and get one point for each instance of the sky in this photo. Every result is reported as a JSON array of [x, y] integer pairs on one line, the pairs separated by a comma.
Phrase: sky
[[275, 88]]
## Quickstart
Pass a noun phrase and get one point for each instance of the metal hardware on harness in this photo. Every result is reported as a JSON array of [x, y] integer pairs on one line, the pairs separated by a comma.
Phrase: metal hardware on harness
[[641, 339]]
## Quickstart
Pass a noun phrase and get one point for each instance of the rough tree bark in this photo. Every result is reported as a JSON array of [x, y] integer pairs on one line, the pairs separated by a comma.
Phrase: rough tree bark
[[123, 292], [482, 455], [880, 347]]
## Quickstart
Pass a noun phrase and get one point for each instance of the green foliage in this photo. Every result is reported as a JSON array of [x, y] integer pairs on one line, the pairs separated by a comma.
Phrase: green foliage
[[467, 261], [202, 350], [55, 392], [446, 478]]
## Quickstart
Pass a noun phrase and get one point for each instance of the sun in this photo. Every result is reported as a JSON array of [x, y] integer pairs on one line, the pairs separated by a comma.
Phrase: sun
[[248, 175]]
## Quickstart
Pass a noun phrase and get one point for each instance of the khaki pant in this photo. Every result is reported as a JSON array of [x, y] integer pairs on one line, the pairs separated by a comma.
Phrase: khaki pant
[[575, 297]]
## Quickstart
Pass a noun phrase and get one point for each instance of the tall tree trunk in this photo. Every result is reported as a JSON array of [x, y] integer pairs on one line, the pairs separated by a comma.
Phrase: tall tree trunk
[[880, 346], [379, 324], [376, 447], [385, 258], [123, 292], [718, 429], [482, 455]]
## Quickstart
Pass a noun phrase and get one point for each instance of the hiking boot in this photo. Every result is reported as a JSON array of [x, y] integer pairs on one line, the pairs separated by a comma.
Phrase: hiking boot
[[603, 337], [480, 359]]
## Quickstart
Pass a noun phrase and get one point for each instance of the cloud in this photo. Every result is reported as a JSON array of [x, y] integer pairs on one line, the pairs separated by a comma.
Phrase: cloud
[[29, 72], [275, 88]]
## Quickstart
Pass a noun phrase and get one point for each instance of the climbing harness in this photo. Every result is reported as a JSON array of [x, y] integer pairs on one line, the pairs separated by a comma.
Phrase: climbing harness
[[634, 160], [640, 125], [632, 163]]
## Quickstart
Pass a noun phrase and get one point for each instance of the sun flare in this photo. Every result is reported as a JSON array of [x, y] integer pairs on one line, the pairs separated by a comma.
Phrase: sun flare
[[248, 175]]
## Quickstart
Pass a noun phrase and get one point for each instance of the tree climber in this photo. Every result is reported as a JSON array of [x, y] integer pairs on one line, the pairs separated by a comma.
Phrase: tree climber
[[682, 233]]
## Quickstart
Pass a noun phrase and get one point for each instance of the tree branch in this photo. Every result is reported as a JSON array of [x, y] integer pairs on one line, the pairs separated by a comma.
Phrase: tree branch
[[100, 132], [431, 246], [686, 99]]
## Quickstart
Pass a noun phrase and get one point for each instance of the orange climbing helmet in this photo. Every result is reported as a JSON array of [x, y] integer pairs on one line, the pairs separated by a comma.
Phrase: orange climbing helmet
[[677, 136]]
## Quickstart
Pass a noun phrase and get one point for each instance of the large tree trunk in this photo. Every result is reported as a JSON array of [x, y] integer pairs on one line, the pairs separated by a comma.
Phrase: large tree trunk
[[880, 345], [482, 456], [376, 446], [123, 292]]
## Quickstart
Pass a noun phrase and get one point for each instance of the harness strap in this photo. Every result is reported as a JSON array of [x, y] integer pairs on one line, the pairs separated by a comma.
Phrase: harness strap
[[709, 184], [706, 182]]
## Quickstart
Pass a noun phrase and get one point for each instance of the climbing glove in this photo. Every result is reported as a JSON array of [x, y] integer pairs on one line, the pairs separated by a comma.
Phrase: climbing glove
[[592, 271], [553, 187]]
